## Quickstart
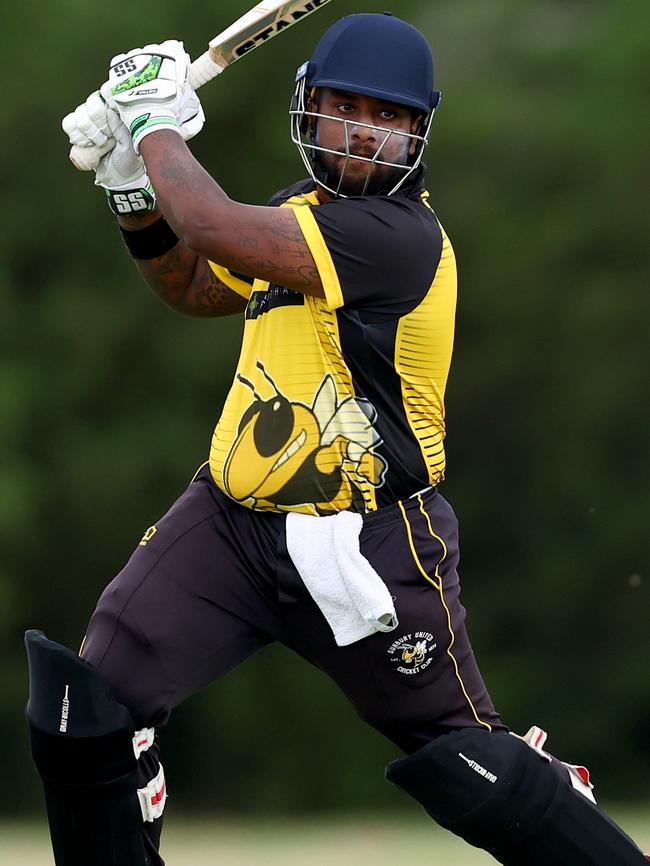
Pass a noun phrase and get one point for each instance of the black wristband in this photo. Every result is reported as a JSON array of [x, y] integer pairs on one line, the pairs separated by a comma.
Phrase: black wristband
[[153, 241]]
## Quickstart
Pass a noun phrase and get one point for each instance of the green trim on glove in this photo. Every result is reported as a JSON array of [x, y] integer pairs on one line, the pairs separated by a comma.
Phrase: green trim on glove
[[141, 123]]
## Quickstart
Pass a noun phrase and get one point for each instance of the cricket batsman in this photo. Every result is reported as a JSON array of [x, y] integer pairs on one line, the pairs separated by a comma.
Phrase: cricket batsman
[[317, 520]]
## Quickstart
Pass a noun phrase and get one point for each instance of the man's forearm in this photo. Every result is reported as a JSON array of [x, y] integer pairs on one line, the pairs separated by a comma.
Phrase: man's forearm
[[266, 243], [169, 275], [181, 278]]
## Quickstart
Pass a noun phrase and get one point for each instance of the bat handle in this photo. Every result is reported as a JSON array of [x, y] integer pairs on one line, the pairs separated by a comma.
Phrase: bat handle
[[202, 70]]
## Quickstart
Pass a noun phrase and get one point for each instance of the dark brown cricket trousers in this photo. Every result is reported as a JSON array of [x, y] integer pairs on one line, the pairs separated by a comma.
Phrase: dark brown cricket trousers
[[214, 583]]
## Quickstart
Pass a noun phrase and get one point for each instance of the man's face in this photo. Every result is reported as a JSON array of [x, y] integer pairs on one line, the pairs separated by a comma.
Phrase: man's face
[[361, 177]]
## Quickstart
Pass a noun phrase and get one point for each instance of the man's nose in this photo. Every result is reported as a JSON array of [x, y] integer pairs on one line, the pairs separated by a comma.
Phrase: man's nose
[[364, 133]]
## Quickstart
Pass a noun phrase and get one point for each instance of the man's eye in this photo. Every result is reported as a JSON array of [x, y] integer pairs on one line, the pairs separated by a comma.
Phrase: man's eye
[[388, 115], [345, 106]]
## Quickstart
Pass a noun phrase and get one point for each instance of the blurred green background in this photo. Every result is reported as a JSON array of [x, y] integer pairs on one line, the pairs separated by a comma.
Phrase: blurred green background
[[538, 171]]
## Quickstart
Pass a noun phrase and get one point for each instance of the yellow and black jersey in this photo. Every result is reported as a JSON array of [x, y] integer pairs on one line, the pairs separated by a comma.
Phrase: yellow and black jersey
[[338, 403]]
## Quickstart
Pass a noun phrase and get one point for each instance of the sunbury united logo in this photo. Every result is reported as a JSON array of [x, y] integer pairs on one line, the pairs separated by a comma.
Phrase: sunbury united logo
[[411, 652]]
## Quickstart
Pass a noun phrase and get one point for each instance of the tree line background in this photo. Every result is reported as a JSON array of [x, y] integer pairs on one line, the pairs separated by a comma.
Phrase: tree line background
[[538, 170]]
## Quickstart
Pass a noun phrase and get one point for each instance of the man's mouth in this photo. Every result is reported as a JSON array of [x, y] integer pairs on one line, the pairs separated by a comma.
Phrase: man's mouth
[[364, 153]]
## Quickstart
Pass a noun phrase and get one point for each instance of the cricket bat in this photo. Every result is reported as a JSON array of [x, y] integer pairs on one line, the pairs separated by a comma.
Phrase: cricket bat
[[259, 25]]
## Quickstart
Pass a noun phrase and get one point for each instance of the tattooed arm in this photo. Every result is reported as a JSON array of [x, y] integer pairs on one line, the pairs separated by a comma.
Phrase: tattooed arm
[[183, 279], [263, 242]]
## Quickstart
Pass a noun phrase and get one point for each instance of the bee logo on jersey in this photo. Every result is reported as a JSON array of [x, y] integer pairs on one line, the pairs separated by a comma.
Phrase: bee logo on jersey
[[288, 453]]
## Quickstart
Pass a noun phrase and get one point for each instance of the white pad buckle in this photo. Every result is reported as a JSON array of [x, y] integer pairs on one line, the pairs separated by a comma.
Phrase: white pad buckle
[[580, 780], [535, 738], [143, 740], [153, 797], [578, 775]]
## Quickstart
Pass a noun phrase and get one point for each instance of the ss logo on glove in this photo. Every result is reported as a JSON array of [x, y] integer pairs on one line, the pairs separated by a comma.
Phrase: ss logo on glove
[[130, 202], [124, 68]]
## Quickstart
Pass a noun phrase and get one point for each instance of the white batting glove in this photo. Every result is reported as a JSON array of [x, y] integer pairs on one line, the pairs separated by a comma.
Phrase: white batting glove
[[150, 89], [122, 173], [88, 123]]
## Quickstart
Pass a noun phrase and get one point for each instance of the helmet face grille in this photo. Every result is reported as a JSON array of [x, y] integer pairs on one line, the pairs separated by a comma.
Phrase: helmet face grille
[[304, 122]]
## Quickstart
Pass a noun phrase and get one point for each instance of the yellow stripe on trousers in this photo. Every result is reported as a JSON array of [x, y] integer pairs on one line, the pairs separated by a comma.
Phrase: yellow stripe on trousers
[[437, 584]]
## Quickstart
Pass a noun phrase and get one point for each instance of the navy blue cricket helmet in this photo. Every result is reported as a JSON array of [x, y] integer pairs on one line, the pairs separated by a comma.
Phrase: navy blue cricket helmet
[[375, 55]]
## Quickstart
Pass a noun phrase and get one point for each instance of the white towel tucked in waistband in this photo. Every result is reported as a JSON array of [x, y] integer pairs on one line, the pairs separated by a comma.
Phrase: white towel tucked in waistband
[[351, 595]]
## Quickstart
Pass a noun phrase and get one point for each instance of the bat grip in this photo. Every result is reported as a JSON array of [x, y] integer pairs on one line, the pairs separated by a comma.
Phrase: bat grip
[[202, 70]]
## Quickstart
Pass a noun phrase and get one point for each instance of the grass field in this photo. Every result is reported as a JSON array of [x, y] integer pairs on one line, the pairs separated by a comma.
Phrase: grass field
[[380, 841]]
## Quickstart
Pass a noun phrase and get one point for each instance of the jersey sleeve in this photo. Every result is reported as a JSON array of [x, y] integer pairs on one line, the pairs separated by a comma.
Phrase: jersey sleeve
[[373, 253], [239, 283]]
